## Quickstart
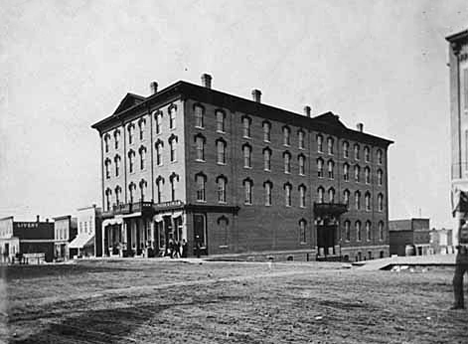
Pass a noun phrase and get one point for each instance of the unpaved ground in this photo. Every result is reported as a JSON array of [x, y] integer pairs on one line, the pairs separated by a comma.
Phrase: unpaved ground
[[158, 301]]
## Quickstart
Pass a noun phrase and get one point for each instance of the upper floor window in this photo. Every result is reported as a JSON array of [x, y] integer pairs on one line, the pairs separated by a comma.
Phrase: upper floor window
[[331, 168], [248, 191], [358, 230], [107, 165], [267, 186], [287, 162], [379, 157], [331, 195], [108, 198], [286, 136], [141, 126], [220, 121], [173, 178], [330, 145], [368, 231], [302, 196], [367, 199], [302, 231], [106, 142], [380, 202], [347, 229], [346, 195], [301, 139], [200, 148], [222, 181], [247, 155], [381, 231], [287, 194], [159, 183], [172, 116], [320, 194], [131, 133], [320, 167], [117, 138], [357, 200], [267, 159], [356, 151], [301, 160], [172, 144], [143, 186], [357, 173], [345, 149], [346, 172], [266, 131], [221, 151], [246, 124], [142, 152], [158, 121], [159, 146], [118, 194], [199, 116], [380, 177], [131, 161], [200, 181], [132, 189], [117, 165], [319, 139], [367, 175], [367, 154]]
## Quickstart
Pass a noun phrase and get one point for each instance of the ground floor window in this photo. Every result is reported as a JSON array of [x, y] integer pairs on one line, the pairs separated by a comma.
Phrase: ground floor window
[[199, 229]]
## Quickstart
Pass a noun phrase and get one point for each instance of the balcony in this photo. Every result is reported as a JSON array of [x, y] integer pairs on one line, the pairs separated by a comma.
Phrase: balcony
[[335, 209]]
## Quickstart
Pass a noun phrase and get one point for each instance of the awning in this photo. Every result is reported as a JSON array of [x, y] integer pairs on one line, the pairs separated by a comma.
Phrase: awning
[[82, 240], [158, 218], [114, 221], [176, 214]]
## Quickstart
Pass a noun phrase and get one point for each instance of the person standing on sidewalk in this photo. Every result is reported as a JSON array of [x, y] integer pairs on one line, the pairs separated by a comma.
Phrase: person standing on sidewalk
[[461, 265]]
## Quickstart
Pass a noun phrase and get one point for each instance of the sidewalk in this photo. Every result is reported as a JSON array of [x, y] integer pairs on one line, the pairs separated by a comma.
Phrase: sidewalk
[[429, 260]]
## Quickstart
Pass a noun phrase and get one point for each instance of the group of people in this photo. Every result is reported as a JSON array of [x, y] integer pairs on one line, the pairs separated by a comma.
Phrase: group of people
[[176, 249]]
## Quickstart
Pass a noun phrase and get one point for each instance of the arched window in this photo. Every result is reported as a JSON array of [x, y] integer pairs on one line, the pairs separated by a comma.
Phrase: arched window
[[172, 144], [320, 167], [345, 149], [301, 160], [118, 194], [159, 146], [106, 142], [357, 173], [380, 201], [131, 161], [300, 139], [346, 172], [268, 186], [247, 149], [331, 195], [302, 196], [367, 154], [117, 160], [107, 165], [220, 121], [132, 189], [221, 151], [131, 132], [379, 157], [367, 198], [381, 231], [347, 229], [319, 139], [200, 181], [287, 194], [173, 178], [108, 194], [346, 195], [158, 116], [286, 136], [143, 186], [172, 116], [266, 131], [267, 159], [141, 126], [221, 181], [200, 147], [357, 200], [331, 169], [246, 124], [356, 151], [159, 184], [330, 145], [302, 231], [287, 162], [368, 231], [117, 138], [358, 230], [320, 194], [199, 113], [142, 152], [248, 184], [380, 177], [367, 175]]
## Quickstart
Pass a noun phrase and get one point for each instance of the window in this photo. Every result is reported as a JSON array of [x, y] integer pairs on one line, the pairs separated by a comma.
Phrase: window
[[142, 151], [199, 112], [356, 151], [300, 139], [320, 167], [330, 144], [172, 116], [357, 173], [357, 200], [301, 161], [220, 121], [131, 132], [158, 121], [172, 143], [346, 195], [302, 196], [366, 154], [118, 194], [380, 177], [142, 125], [319, 139], [320, 194], [248, 191], [247, 156], [107, 164], [267, 159], [287, 162], [131, 161], [143, 184], [267, 186], [246, 123], [173, 178], [286, 136], [331, 168], [367, 175], [358, 230], [131, 189], [302, 231], [222, 181], [379, 157], [117, 138], [380, 201], [345, 149], [199, 228], [200, 181], [368, 231], [159, 145], [287, 194], [200, 148], [367, 201], [117, 160], [106, 142], [159, 184], [346, 172], [347, 228], [108, 198], [331, 195], [221, 151], [223, 224], [266, 131], [381, 231]]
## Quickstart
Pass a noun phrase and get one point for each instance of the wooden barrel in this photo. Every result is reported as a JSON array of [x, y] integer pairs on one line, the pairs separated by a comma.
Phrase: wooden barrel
[[410, 250]]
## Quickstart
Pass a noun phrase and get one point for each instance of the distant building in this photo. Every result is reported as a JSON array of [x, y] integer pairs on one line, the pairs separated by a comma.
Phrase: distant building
[[26, 238], [409, 232], [88, 241], [442, 241], [65, 230]]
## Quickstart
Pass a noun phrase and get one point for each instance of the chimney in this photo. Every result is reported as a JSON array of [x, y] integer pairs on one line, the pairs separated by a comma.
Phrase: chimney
[[38, 218], [257, 96], [360, 127], [154, 87], [206, 80], [46, 220], [307, 110]]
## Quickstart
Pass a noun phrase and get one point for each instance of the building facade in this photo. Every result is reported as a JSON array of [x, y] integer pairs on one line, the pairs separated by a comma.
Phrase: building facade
[[65, 230], [413, 232], [442, 241], [87, 242], [232, 175]]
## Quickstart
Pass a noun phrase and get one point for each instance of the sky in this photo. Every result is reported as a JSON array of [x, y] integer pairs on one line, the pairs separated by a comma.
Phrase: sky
[[65, 65]]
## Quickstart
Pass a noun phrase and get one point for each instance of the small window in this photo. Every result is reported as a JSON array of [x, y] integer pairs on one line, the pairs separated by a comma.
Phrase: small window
[[200, 148], [131, 161], [367, 154], [131, 132], [108, 198], [367, 200], [331, 195], [367, 175], [248, 191], [173, 147], [172, 116], [286, 136], [247, 156], [107, 165], [267, 159], [368, 231], [320, 167], [106, 142], [268, 186], [221, 189], [142, 152], [220, 121], [379, 157], [345, 172], [320, 194], [319, 139], [172, 180], [287, 162], [345, 149], [266, 131], [346, 195], [117, 160], [158, 121], [159, 145], [303, 231], [221, 151], [331, 169], [330, 145], [143, 185], [199, 113], [347, 229], [301, 160], [357, 200], [302, 196], [380, 177], [358, 231], [132, 189], [380, 202], [200, 181], [287, 194], [141, 126], [381, 231], [300, 139], [356, 152], [246, 124], [159, 183], [117, 138], [357, 173]]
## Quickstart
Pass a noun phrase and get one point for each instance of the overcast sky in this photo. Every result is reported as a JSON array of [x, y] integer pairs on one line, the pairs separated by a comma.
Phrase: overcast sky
[[67, 64]]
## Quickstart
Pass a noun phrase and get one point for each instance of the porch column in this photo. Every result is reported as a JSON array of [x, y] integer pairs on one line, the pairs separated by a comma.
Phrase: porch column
[[103, 233]]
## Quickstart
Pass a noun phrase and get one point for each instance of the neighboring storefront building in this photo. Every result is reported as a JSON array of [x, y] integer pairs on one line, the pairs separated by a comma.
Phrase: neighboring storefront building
[[87, 242]]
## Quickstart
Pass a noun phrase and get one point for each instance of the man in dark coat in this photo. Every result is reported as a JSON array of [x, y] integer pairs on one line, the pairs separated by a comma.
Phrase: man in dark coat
[[461, 265]]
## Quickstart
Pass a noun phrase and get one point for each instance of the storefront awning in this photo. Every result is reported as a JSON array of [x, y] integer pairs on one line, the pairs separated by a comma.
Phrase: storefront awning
[[114, 221], [82, 240], [176, 214]]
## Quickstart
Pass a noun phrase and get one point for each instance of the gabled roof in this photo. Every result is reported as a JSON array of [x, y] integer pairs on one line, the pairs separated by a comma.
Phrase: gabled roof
[[128, 101], [330, 119], [457, 36]]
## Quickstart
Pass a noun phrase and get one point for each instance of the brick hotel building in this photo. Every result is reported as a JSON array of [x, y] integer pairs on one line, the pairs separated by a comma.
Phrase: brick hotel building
[[244, 177]]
